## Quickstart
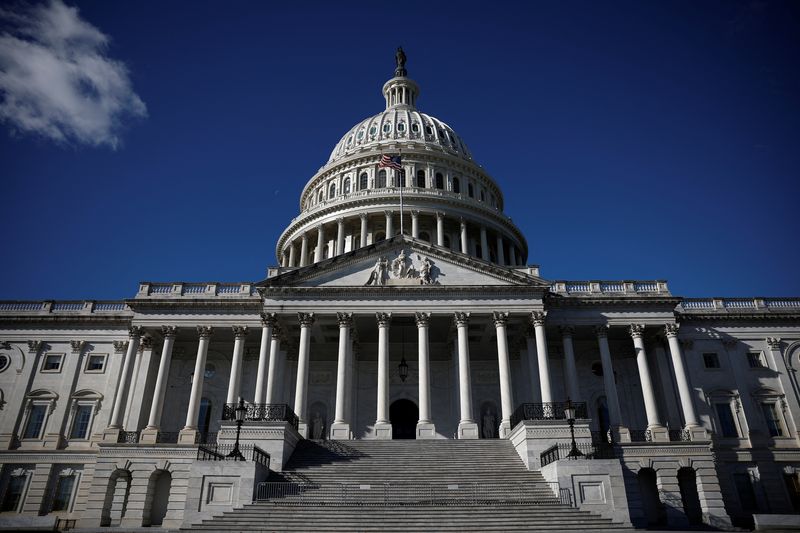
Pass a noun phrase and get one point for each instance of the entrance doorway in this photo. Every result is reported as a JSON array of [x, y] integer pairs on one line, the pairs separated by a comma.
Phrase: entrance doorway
[[403, 414]]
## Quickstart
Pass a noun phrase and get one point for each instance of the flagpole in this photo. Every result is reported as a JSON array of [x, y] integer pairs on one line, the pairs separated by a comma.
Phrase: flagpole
[[402, 182]]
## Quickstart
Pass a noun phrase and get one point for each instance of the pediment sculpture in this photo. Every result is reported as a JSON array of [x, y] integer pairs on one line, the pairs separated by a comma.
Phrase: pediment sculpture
[[404, 269]]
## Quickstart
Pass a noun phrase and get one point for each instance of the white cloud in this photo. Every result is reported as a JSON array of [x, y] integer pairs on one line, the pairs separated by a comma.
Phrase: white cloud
[[56, 79]]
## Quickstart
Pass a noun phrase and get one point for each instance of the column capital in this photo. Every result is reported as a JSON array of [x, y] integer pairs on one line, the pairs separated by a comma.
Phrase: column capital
[[269, 319], [463, 222], [77, 346], [671, 329], [461, 318], [636, 330], [340, 220], [318, 227], [388, 212], [204, 331], [146, 343], [345, 320], [567, 331], [500, 318], [422, 319], [304, 238], [239, 332], [363, 216], [169, 331], [439, 215], [135, 331], [774, 343], [384, 319], [601, 330], [414, 213], [537, 317], [35, 346], [306, 319], [119, 346], [276, 332]]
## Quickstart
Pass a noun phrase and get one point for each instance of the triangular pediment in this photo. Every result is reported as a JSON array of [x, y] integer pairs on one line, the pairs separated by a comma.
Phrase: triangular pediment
[[402, 261]]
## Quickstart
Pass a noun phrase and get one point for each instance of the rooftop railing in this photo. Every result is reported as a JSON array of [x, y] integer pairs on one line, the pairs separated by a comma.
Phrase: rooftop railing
[[740, 304], [194, 290], [591, 288], [67, 307]]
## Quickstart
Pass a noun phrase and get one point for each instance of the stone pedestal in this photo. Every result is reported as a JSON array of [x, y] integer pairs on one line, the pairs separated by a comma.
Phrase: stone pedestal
[[426, 430], [112, 435], [278, 439], [149, 436], [340, 431], [218, 486], [532, 437], [303, 429], [658, 434], [383, 431], [468, 430], [620, 434], [505, 429], [187, 436], [697, 433]]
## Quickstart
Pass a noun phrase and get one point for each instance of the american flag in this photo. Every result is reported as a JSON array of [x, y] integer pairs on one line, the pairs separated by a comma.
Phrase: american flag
[[391, 161]]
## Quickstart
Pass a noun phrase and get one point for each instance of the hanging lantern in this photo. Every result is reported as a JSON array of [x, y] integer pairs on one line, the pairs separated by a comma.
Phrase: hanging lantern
[[402, 368]]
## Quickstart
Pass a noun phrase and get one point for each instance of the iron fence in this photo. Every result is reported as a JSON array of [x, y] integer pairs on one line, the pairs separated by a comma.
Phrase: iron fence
[[128, 437], [547, 411], [224, 452], [262, 411], [680, 435], [413, 494], [563, 450], [645, 435]]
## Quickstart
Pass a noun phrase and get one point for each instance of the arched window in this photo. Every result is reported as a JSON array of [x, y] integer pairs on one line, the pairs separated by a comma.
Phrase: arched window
[[439, 181], [470, 191], [363, 181], [346, 186], [420, 179], [424, 236], [321, 197], [331, 191], [381, 179], [483, 195], [380, 236], [446, 241], [456, 186]]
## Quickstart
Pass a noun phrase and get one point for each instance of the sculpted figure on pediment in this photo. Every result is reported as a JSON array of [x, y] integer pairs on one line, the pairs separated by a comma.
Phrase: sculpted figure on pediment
[[379, 272]]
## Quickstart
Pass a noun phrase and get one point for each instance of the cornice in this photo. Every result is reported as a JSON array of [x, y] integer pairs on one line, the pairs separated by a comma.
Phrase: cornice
[[250, 304], [115, 320], [765, 315], [559, 301]]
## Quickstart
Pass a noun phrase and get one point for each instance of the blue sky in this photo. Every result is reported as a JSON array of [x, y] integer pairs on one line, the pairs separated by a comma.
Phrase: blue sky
[[632, 140]]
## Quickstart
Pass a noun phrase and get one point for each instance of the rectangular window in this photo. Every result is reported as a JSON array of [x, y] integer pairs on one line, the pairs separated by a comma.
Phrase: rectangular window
[[755, 360], [96, 363], [33, 429], [711, 360], [80, 425], [726, 423], [14, 493], [52, 363], [773, 422], [747, 496], [63, 493]]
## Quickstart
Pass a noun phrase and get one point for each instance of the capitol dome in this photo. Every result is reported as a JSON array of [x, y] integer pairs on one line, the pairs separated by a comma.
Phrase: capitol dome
[[447, 200]]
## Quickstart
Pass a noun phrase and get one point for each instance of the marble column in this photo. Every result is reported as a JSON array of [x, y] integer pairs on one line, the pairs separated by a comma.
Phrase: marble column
[[134, 336], [657, 430], [383, 427], [303, 357], [274, 374], [340, 429], [268, 321], [415, 224], [339, 236], [684, 389], [189, 431], [467, 428], [292, 254], [318, 253], [464, 239], [545, 383], [389, 224], [235, 380], [425, 426], [304, 250], [501, 253], [363, 217], [484, 244], [439, 229], [533, 365], [504, 366], [150, 433], [570, 369], [512, 258], [610, 385]]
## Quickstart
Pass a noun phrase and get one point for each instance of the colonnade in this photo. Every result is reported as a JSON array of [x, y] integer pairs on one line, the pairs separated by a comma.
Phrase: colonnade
[[332, 238], [269, 373]]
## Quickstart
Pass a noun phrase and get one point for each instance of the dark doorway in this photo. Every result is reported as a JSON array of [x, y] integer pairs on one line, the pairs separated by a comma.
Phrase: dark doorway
[[687, 481], [651, 503], [403, 414]]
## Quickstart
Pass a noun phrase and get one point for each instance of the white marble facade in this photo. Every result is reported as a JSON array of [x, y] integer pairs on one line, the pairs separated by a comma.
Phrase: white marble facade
[[97, 398]]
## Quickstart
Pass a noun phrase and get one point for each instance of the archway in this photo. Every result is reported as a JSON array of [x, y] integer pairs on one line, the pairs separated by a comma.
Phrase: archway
[[403, 414], [158, 489], [651, 503], [115, 502], [687, 481]]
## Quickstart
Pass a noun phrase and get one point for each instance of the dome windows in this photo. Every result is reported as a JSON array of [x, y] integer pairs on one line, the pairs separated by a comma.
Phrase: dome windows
[[331, 191], [470, 190], [363, 181], [381, 181], [373, 130], [415, 127], [456, 185], [428, 130], [439, 181], [360, 135], [420, 179], [387, 127], [346, 186], [483, 195], [401, 127]]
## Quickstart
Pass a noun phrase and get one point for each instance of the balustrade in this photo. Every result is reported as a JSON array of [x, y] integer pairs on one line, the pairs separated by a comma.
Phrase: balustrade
[[547, 411], [275, 412]]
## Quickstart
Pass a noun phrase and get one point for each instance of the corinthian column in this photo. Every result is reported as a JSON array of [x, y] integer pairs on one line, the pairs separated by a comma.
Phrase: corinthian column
[[537, 318], [234, 383], [268, 321], [189, 431], [684, 389], [415, 224], [389, 225], [340, 429], [464, 240], [275, 366], [506, 399], [571, 371], [648, 393], [467, 428], [383, 427], [610, 384], [134, 336], [303, 356], [304, 250], [425, 427], [439, 229], [363, 217], [320, 244], [339, 236], [150, 433]]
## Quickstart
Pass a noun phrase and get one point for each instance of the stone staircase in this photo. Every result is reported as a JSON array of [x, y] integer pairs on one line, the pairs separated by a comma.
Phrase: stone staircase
[[412, 485]]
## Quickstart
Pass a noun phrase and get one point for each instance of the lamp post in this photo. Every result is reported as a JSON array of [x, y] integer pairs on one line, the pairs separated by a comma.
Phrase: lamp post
[[569, 412], [402, 368], [240, 412]]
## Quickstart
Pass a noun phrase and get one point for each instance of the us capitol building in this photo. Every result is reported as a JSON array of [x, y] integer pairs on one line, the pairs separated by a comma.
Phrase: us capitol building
[[386, 321]]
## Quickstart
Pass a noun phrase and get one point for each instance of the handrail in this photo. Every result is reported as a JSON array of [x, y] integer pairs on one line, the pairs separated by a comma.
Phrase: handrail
[[277, 412], [546, 411]]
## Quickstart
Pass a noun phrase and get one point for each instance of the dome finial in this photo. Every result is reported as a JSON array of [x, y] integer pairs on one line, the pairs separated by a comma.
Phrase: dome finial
[[400, 59]]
